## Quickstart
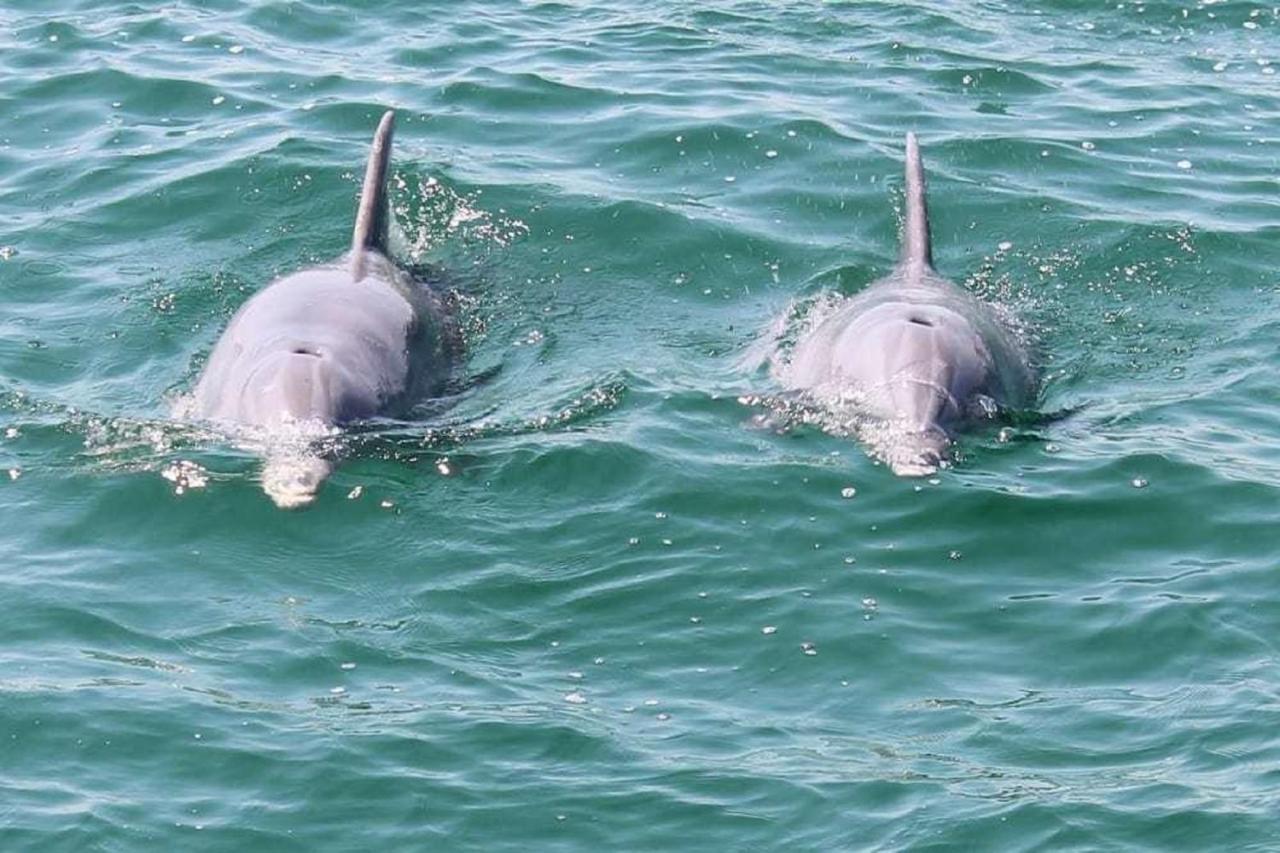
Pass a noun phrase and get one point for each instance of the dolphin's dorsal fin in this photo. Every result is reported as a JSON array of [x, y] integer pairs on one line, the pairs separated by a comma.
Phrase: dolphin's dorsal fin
[[371, 216], [915, 230]]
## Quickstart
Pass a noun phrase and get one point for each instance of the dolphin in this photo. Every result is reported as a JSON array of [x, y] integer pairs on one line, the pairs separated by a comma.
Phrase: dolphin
[[914, 353], [326, 346]]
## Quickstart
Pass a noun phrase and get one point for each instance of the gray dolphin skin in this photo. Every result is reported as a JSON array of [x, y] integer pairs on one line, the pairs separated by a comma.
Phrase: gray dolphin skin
[[323, 347], [914, 352]]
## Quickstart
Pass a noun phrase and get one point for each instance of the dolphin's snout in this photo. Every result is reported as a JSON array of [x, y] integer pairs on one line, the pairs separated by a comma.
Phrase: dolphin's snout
[[917, 453], [292, 482]]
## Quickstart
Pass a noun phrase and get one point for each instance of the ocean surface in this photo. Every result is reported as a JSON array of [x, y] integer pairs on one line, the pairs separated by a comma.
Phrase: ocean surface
[[602, 597]]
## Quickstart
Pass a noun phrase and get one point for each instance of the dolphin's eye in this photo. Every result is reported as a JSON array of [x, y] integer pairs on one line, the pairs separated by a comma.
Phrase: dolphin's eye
[[920, 321], [305, 351]]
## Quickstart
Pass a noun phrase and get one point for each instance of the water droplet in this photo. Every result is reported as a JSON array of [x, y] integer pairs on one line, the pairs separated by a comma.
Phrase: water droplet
[[348, 665], [236, 48], [575, 698], [808, 648], [728, 179], [954, 555], [188, 39], [1184, 164], [7, 252], [1087, 146], [769, 629], [663, 717], [355, 493], [1004, 246], [185, 475], [1139, 483], [15, 473], [337, 691], [848, 492], [771, 153]]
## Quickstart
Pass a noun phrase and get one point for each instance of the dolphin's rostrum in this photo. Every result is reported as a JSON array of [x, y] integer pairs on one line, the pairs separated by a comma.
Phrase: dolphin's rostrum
[[326, 346], [914, 353]]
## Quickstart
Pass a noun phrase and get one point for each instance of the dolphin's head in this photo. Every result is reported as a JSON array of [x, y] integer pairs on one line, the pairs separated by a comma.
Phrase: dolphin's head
[[911, 368], [295, 384]]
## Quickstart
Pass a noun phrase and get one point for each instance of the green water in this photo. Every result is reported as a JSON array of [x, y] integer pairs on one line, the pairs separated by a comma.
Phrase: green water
[[588, 605]]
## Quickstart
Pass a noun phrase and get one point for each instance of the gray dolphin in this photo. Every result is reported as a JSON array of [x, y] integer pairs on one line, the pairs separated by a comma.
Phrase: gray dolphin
[[325, 346], [914, 352]]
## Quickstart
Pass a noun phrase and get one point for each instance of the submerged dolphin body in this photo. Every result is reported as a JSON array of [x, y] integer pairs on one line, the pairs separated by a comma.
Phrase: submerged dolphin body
[[325, 346], [914, 352]]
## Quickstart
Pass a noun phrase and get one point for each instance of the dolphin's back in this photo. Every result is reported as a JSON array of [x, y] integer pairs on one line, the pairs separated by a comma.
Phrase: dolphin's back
[[332, 343]]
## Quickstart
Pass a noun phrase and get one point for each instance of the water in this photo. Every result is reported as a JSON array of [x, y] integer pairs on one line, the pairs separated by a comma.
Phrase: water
[[588, 605]]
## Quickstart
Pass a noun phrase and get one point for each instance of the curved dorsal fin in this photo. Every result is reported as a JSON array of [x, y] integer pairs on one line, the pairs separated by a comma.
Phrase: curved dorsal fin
[[371, 215], [915, 229]]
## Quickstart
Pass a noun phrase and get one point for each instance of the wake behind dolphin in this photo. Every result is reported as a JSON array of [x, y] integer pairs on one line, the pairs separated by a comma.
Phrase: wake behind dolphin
[[915, 354], [326, 346]]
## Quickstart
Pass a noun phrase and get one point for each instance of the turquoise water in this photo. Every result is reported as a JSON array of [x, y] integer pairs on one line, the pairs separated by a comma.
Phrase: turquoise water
[[589, 603]]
